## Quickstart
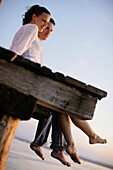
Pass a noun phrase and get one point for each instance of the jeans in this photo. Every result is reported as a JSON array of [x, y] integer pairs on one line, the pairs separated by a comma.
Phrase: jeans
[[43, 129]]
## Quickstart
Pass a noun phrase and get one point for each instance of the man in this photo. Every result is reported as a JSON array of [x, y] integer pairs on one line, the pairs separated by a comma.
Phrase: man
[[58, 142]]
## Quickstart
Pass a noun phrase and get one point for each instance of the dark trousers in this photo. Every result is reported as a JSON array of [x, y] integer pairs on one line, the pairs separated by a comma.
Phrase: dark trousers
[[42, 132]]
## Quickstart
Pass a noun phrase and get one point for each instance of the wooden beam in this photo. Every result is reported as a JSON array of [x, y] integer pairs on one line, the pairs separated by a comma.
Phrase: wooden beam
[[53, 91], [8, 125], [44, 71], [48, 92]]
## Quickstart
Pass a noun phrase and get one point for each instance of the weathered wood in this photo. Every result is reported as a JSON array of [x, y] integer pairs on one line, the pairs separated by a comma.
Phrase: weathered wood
[[51, 90], [8, 125], [44, 71], [52, 94]]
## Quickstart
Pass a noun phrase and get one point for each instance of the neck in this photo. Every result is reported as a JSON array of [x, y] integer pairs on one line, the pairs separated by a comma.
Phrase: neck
[[40, 39], [32, 22]]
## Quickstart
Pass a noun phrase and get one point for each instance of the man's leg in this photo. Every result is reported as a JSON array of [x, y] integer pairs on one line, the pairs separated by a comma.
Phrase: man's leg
[[41, 136], [58, 141], [58, 144]]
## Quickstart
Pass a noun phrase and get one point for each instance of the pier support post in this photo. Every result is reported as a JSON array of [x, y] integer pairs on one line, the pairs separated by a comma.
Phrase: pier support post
[[8, 125]]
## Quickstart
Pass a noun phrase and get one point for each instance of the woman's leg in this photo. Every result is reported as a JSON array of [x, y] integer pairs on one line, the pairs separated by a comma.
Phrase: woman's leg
[[86, 128], [64, 121]]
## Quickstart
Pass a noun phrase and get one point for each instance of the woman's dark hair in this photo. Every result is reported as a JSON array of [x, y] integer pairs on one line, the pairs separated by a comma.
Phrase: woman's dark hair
[[52, 21], [36, 9]]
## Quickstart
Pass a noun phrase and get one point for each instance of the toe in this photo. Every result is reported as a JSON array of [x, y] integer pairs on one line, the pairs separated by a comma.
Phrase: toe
[[68, 164]]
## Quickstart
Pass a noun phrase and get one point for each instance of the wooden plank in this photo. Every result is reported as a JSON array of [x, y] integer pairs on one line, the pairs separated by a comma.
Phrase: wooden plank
[[35, 68], [56, 94], [51, 90], [74, 82], [8, 125], [84, 109], [96, 91]]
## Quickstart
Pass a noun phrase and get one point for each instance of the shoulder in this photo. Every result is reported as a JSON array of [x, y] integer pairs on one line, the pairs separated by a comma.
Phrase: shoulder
[[31, 26]]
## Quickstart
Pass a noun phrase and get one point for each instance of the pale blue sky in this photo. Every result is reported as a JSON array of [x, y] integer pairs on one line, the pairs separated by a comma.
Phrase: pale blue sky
[[80, 46]]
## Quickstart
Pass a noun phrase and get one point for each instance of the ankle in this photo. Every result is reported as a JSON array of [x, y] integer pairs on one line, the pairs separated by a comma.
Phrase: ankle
[[35, 148], [93, 135], [72, 145], [54, 151]]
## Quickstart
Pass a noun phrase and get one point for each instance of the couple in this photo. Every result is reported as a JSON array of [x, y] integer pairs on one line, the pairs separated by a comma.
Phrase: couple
[[37, 26]]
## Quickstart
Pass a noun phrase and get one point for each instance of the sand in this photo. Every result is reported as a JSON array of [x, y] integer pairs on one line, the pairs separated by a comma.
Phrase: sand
[[21, 157]]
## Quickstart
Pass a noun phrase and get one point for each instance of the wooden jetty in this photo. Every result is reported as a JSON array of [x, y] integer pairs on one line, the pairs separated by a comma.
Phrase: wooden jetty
[[29, 90]]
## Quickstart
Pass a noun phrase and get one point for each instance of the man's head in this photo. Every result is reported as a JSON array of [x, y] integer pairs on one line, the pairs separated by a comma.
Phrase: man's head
[[47, 31]]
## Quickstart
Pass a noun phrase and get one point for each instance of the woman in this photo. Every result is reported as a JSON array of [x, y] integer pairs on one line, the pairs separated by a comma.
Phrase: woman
[[26, 41]]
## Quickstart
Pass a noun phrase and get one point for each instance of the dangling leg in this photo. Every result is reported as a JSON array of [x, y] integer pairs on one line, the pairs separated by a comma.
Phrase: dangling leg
[[86, 128], [58, 141], [64, 121], [41, 136]]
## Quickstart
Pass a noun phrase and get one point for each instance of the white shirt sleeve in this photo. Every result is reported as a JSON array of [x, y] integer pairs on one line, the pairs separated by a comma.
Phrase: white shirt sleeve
[[24, 39]]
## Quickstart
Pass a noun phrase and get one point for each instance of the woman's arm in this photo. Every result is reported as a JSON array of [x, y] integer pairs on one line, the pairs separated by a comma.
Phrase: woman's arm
[[23, 40]]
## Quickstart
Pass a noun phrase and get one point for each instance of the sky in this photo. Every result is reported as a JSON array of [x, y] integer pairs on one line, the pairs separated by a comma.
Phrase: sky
[[81, 46]]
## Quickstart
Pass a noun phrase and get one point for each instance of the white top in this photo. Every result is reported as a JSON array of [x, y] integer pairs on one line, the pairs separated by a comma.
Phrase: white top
[[27, 43]]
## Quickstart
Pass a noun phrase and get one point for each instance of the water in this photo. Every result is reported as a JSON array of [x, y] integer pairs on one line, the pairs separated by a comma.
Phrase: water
[[21, 157]]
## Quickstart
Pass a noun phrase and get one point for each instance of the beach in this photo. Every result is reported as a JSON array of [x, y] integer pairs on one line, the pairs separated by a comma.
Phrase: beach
[[21, 157]]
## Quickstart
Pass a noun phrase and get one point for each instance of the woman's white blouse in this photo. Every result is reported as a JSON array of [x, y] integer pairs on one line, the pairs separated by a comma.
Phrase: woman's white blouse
[[27, 43]]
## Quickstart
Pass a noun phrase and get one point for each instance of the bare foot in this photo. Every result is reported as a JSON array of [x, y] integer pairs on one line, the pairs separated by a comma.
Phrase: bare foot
[[96, 139], [71, 150], [38, 151], [60, 156]]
